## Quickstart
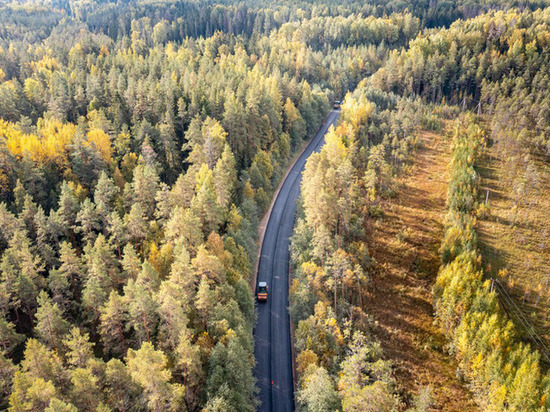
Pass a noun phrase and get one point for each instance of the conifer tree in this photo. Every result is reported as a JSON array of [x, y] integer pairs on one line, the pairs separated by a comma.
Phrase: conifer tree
[[112, 324], [79, 348], [50, 326], [148, 368], [87, 221]]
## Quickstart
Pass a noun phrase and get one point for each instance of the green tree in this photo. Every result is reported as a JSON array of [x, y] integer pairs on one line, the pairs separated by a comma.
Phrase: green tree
[[142, 310], [365, 380], [131, 264], [136, 224], [225, 177], [7, 372], [21, 272], [9, 338], [57, 405], [70, 268], [104, 197], [145, 185], [79, 348], [68, 206], [85, 392], [112, 324], [205, 203], [30, 393], [50, 326], [122, 392], [189, 360], [148, 368], [318, 392], [87, 220]]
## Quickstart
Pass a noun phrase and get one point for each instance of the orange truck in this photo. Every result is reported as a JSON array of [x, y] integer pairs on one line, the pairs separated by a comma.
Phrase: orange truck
[[262, 291]]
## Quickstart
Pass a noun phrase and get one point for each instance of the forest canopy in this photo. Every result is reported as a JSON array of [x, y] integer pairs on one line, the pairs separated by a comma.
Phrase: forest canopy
[[141, 143]]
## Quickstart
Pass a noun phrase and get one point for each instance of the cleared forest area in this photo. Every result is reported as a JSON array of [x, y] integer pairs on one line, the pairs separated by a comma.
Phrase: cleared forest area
[[514, 239], [405, 243]]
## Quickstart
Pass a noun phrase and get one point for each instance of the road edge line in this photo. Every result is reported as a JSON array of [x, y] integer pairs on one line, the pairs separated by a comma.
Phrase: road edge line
[[265, 218]]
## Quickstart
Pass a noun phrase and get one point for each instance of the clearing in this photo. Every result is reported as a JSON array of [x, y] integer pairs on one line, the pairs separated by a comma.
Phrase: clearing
[[514, 240], [405, 243]]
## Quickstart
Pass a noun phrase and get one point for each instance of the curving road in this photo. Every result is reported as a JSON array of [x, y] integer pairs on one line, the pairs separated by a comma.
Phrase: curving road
[[272, 332]]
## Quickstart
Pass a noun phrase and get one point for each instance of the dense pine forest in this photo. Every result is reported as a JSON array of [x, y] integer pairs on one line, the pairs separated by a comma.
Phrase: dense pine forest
[[141, 144]]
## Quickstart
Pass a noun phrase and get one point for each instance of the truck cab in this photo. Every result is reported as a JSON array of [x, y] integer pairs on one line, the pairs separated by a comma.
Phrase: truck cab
[[262, 291]]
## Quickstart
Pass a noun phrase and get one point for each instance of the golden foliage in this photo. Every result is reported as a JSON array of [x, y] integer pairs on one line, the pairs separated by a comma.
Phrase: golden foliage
[[102, 142], [50, 145]]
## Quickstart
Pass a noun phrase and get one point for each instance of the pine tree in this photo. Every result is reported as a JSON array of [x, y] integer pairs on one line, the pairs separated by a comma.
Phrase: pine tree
[[94, 295], [112, 324], [102, 263], [145, 185], [184, 224], [122, 393], [43, 241], [9, 338], [21, 271], [79, 348], [365, 380], [169, 141], [172, 310], [189, 360], [104, 198], [225, 177], [204, 300], [136, 224], [205, 204], [60, 289], [70, 269], [148, 367], [85, 392], [117, 229], [131, 264], [30, 393], [87, 221], [164, 204], [50, 326], [293, 123], [7, 372], [57, 405], [318, 393], [142, 310], [28, 214], [68, 206], [43, 363]]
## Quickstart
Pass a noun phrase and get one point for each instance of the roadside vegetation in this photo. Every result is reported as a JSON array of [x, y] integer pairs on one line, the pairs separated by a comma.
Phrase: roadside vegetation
[[341, 191]]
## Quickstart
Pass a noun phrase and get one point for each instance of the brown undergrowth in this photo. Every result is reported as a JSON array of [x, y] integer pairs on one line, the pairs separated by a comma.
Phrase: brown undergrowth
[[514, 237], [404, 243]]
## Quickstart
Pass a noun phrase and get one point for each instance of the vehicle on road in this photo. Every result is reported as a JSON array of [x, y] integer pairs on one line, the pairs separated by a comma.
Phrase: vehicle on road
[[337, 104], [262, 291]]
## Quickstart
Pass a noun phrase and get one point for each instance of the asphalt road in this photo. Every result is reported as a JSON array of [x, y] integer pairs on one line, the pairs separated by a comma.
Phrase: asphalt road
[[272, 332]]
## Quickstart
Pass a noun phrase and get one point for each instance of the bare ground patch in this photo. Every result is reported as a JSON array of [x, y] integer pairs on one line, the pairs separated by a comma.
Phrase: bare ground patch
[[405, 243]]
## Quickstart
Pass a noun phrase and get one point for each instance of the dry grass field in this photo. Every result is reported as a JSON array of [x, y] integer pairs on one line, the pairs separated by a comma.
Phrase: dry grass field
[[514, 238], [405, 243]]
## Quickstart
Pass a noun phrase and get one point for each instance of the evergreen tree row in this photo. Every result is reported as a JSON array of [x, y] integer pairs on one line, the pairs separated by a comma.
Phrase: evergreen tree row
[[503, 372]]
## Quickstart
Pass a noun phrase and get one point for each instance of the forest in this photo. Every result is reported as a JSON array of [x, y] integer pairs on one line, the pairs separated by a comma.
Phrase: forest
[[141, 144], [494, 66]]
